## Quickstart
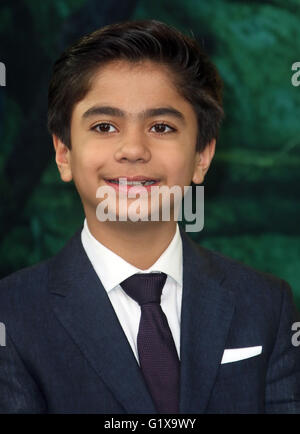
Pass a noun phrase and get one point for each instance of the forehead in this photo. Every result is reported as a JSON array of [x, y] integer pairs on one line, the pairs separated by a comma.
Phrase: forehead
[[125, 75], [133, 87]]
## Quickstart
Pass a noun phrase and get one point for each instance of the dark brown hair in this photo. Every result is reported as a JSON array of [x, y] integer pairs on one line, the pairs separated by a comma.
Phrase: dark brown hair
[[195, 76]]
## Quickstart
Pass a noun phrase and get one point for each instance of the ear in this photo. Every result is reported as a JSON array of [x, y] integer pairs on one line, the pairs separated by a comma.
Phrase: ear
[[203, 160], [62, 159]]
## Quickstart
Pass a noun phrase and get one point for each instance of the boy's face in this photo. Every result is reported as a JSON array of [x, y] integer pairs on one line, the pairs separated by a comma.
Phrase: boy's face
[[127, 136]]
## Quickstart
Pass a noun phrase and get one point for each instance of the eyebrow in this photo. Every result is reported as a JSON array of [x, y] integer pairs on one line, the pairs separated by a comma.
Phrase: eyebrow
[[149, 113]]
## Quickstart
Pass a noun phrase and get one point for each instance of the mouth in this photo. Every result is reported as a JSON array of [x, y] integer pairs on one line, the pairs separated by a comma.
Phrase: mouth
[[132, 181]]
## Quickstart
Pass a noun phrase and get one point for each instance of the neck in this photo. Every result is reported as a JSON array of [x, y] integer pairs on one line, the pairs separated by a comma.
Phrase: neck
[[139, 243]]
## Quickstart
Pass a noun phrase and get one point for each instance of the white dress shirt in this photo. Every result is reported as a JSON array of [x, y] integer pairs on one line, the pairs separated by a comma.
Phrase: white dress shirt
[[112, 270]]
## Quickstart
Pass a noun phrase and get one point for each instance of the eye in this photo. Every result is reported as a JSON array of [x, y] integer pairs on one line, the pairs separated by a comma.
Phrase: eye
[[162, 128], [104, 127]]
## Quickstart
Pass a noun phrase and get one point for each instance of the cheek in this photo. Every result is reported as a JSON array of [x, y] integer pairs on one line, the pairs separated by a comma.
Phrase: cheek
[[180, 169], [88, 160]]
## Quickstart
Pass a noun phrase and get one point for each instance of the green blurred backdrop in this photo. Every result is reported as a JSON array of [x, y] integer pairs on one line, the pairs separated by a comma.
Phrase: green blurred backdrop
[[252, 196]]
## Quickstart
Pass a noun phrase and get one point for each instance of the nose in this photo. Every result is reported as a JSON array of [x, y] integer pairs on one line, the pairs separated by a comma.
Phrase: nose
[[133, 146]]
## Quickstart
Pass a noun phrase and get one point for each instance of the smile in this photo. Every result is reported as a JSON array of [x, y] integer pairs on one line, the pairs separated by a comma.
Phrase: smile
[[125, 183], [132, 182]]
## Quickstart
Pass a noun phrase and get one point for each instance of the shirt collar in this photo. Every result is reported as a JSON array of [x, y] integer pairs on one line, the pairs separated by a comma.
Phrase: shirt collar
[[112, 269]]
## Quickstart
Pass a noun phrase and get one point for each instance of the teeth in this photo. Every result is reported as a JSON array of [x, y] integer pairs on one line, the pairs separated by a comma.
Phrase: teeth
[[133, 182]]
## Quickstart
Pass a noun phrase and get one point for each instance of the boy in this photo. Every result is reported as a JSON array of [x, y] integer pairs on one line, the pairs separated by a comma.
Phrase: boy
[[131, 316]]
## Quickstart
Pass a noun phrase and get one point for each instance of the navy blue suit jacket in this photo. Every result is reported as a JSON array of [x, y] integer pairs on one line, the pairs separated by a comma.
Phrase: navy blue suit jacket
[[67, 353]]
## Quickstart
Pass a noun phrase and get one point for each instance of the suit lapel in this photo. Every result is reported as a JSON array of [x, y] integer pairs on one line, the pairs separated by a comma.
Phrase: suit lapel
[[82, 306], [207, 310]]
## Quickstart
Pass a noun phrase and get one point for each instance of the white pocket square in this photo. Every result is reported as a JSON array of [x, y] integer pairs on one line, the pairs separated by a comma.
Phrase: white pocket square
[[236, 354]]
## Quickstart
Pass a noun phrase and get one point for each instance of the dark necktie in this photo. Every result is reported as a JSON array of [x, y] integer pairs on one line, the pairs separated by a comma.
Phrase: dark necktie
[[157, 352]]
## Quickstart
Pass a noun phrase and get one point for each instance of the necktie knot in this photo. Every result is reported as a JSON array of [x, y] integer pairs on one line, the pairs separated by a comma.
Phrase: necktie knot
[[145, 288]]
